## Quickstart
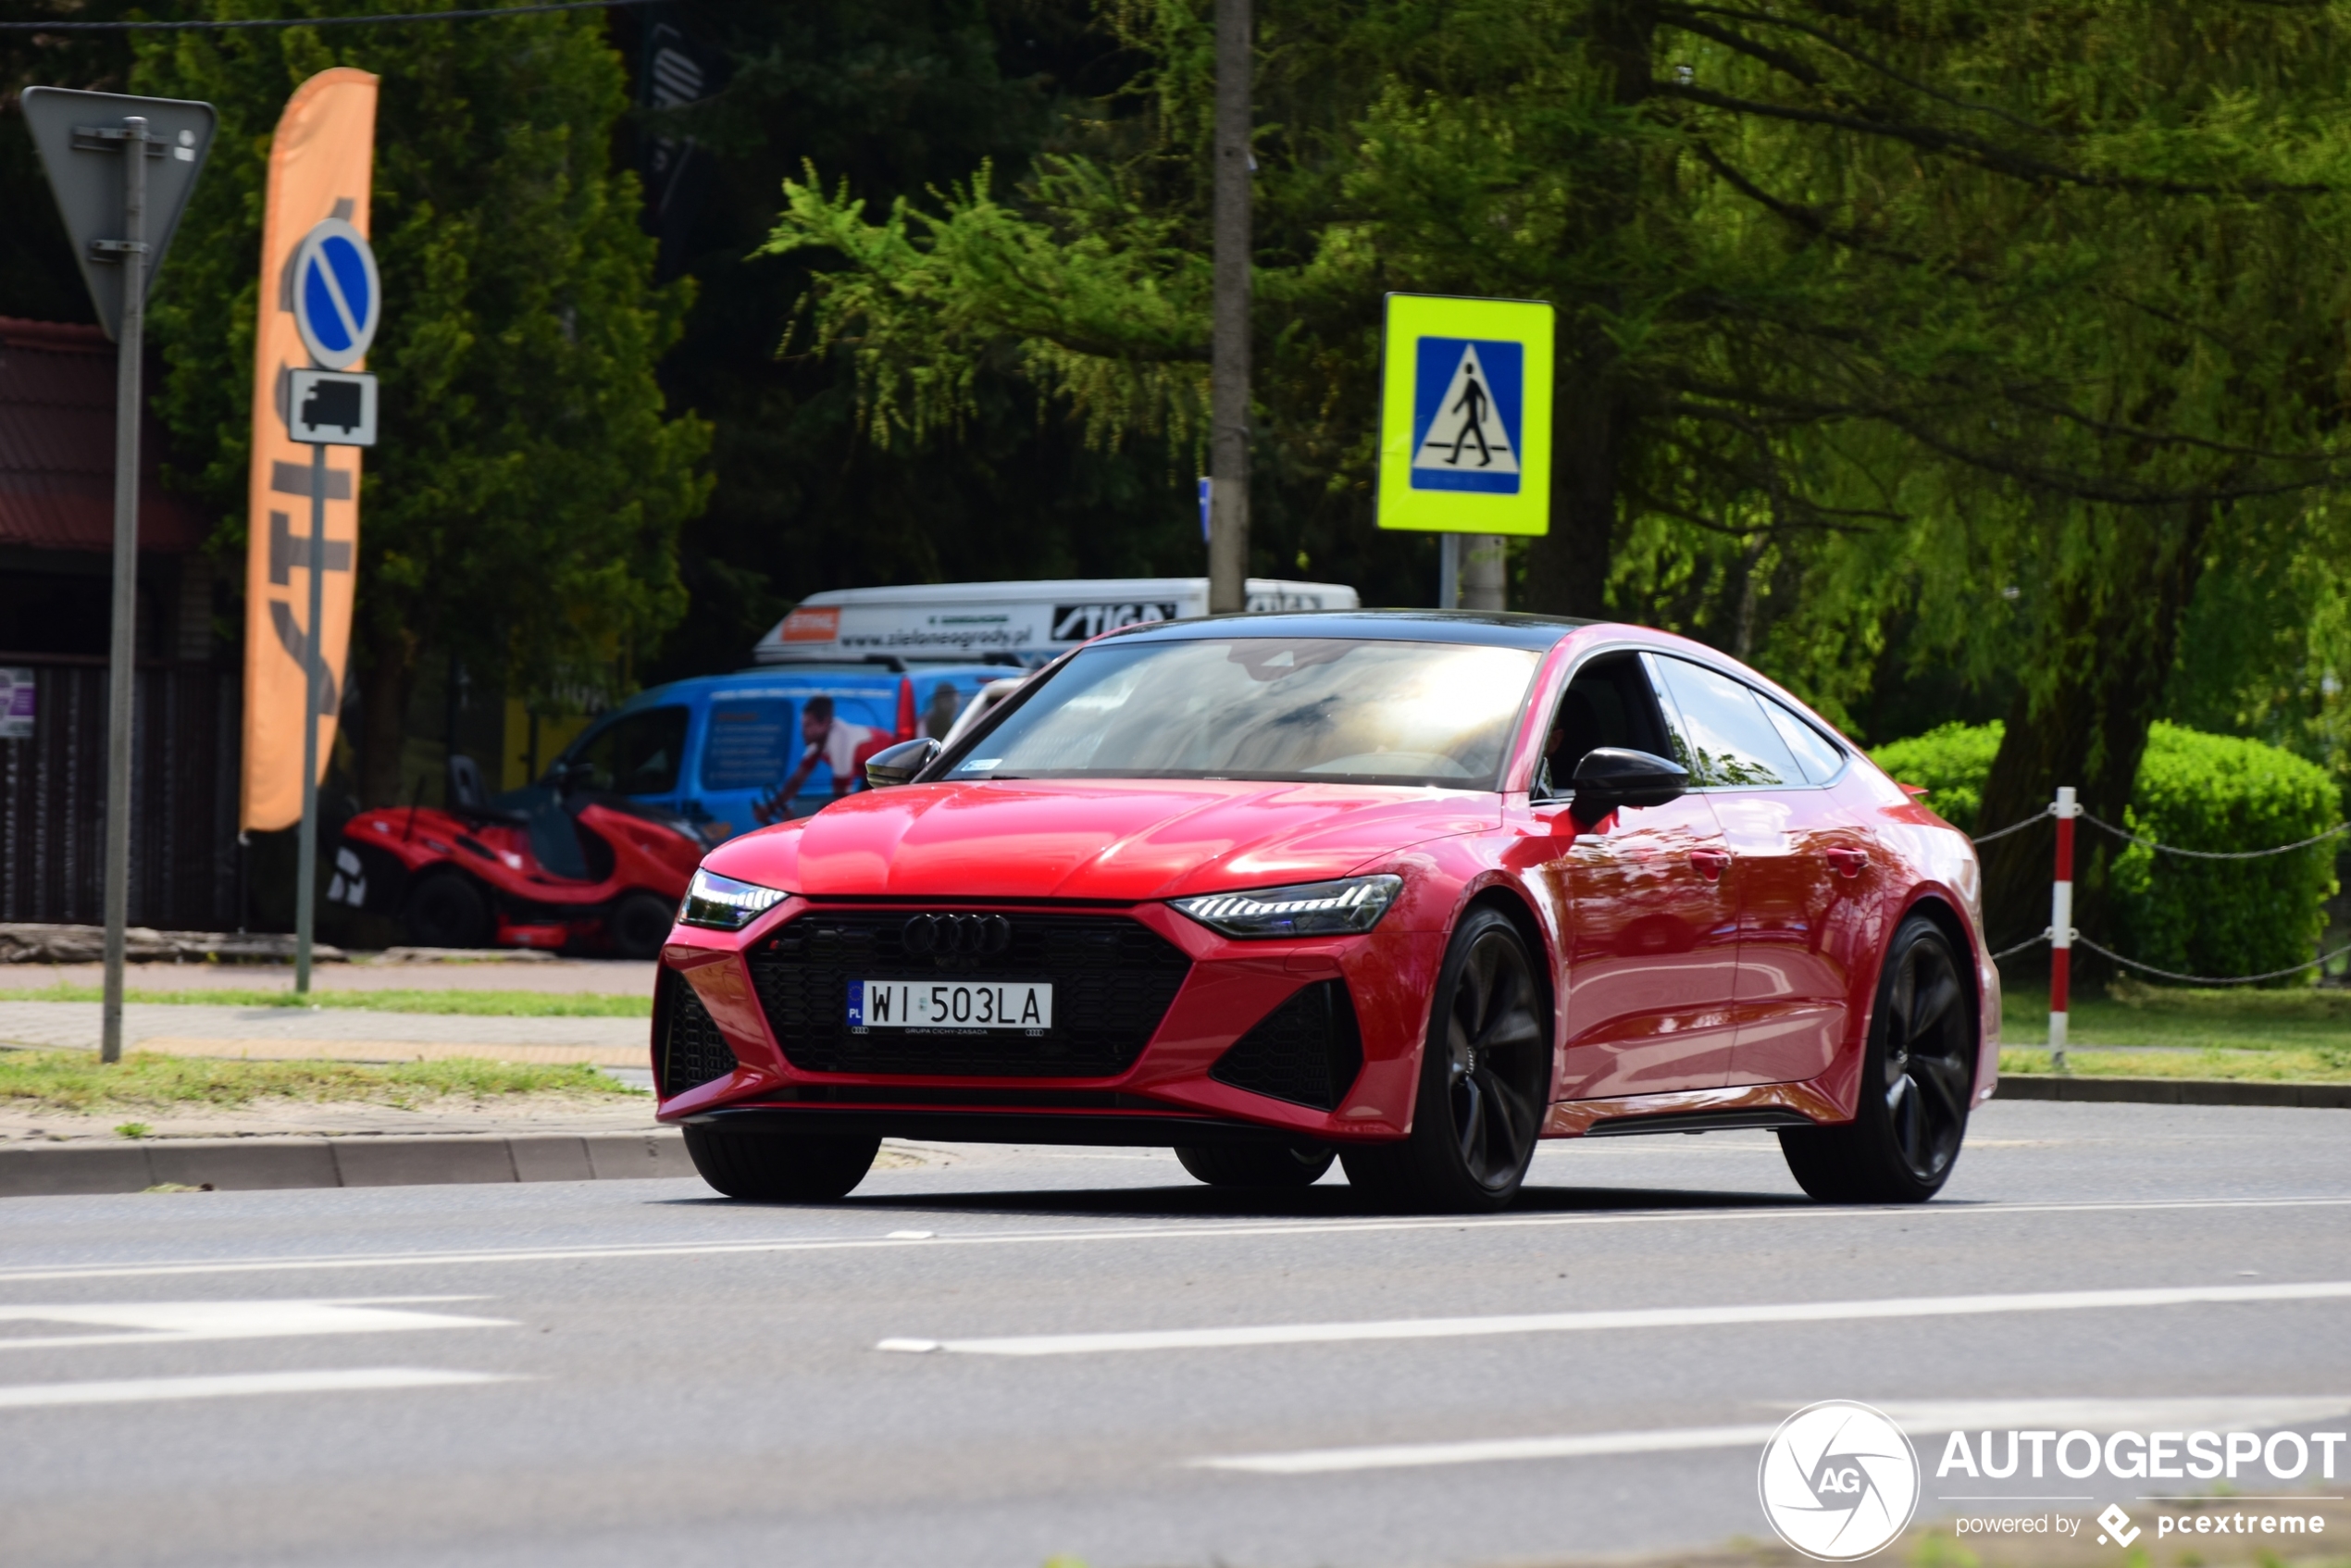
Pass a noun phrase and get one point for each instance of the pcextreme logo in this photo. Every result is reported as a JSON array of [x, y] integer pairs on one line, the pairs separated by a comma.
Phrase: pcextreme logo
[[1838, 1480]]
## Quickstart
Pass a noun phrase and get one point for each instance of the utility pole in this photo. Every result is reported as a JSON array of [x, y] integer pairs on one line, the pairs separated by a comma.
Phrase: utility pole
[[121, 668], [1228, 370]]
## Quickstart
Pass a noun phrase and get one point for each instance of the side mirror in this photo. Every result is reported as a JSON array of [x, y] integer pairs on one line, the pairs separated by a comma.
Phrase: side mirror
[[1610, 777], [575, 777], [899, 763]]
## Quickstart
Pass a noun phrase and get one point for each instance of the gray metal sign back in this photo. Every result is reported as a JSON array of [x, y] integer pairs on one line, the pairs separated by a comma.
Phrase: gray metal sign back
[[80, 138]]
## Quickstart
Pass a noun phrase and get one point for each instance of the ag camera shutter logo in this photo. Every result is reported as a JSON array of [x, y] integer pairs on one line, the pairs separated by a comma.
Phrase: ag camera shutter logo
[[1838, 1480]]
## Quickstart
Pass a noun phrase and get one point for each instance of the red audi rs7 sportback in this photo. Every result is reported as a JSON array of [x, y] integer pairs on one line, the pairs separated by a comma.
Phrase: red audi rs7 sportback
[[1408, 889]]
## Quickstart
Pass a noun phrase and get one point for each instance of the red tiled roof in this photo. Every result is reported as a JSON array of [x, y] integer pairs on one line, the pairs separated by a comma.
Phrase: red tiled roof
[[56, 446]]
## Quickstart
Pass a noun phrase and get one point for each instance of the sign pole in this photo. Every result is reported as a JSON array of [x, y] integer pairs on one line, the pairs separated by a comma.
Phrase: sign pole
[[314, 669], [122, 655], [1448, 571], [1228, 336]]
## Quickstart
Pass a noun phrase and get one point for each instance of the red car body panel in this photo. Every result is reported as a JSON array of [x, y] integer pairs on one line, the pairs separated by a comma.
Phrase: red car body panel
[[1720, 952]]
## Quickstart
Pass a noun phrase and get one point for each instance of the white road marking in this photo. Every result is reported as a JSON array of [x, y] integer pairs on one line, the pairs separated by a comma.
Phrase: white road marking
[[1643, 1317], [153, 1322], [2253, 1411], [147, 1390], [1795, 1209]]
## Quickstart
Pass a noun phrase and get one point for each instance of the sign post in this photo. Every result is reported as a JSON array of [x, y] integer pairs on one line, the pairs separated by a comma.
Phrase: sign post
[[95, 148], [337, 302], [1465, 423]]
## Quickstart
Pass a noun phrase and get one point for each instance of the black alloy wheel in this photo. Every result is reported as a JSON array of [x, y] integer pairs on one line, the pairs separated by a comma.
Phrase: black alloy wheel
[[1485, 1080], [1917, 1078], [778, 1165], [447, 908], [640, 924], [1256, 1164]]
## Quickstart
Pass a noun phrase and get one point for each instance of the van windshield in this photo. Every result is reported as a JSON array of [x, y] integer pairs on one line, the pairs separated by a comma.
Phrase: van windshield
[[1303, 709]]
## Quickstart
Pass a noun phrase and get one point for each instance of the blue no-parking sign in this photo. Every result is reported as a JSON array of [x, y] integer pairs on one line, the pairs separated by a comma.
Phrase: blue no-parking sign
[[338, 298]]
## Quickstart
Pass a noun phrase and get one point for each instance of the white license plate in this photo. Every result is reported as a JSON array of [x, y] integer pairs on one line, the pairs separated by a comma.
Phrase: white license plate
[[950, 1004]]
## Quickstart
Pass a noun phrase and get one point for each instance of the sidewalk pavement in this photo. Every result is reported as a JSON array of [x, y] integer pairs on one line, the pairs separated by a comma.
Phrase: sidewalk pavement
[[600, 977], [343, 1034]]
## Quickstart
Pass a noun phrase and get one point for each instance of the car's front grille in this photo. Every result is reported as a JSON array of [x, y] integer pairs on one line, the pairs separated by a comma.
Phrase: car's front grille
[[1307, 1051], [1114, 979], [693, 1051]]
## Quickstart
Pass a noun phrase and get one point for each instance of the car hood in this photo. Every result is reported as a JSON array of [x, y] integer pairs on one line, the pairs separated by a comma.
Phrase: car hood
[[1094, 840]]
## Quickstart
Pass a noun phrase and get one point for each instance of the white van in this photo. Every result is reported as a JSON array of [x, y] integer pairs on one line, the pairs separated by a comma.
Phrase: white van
[[1023, 623]]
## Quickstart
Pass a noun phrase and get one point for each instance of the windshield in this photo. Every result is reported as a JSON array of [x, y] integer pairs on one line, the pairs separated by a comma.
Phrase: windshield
[[1270, 708]]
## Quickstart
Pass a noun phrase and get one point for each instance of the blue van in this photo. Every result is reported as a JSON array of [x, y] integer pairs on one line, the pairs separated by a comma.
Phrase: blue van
[[705, 748]]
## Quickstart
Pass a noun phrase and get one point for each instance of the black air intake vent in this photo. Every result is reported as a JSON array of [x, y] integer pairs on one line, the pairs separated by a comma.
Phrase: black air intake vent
[[1307, 1051], [1114, 979], [693, 1051]]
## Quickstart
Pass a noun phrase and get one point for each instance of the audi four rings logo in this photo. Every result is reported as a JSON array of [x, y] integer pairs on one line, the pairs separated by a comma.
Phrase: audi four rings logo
[[968, 936]]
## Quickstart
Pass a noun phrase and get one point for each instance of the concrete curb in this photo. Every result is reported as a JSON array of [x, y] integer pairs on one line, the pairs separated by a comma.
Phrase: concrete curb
[[2175, 1091], [243, 1165]]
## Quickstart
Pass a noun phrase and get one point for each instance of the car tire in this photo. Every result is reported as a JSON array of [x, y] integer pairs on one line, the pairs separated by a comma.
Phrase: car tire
[[1485, 1082], [640, 924], [1255, 1165], [1918, 1074], [447, 908], [770, 1165]]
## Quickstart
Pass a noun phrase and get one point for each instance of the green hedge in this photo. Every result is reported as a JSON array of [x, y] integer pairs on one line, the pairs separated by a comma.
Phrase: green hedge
[[2199, 792]]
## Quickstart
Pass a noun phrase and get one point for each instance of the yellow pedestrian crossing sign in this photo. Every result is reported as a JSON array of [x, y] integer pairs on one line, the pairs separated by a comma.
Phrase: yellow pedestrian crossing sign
[[1465, 416]]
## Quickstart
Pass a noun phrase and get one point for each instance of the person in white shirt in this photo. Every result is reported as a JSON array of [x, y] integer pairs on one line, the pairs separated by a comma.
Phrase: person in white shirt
[[835, 742]]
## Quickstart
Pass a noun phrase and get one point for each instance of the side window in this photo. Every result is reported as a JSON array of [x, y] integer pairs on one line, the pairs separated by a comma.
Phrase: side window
[[1735, 744], [1814, 754], [1607, 703], [638, 754], [748, 744]]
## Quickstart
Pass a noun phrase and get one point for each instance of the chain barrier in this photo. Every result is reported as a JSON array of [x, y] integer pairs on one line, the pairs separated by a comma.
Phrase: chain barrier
[[2339, 829], [2048, 811], [2081, 940], [2034, 940], [2209, 980]]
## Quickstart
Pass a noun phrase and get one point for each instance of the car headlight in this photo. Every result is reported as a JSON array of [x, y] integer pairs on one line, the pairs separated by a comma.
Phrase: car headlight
[[1309, 909], [724, 905]]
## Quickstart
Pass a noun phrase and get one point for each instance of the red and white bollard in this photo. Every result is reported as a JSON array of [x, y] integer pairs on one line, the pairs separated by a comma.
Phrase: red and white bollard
[[2061, 927]]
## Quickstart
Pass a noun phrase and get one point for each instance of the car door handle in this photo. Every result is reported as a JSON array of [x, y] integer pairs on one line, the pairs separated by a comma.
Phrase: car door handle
[[1711, 863], [1848, 862]]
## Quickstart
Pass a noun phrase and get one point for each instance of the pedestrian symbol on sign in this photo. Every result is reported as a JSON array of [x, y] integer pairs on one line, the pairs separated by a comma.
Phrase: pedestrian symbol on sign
[[1469, 400]]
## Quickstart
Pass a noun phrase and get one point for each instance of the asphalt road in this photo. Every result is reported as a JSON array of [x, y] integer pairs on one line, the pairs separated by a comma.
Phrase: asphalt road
[[633, 1373]]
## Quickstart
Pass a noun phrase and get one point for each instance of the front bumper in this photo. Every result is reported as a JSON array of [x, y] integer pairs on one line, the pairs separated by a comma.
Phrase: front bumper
[[1169, 1093]]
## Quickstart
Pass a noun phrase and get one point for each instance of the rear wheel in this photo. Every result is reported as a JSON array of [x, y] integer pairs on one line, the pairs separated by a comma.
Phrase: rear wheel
[[640, 924], [1917, 1075], [1255, 1165], [774, 1165], [447, 908], [1486, 1078]]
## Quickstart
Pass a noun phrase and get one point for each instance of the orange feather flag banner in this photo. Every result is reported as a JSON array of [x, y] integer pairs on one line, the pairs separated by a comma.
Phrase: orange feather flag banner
[[321, 165]]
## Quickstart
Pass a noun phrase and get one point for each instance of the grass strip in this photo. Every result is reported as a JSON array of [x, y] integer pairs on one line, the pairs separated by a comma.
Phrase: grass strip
[[486, 1005], [76, 1081], [2277, 1065], [2301, 1019]]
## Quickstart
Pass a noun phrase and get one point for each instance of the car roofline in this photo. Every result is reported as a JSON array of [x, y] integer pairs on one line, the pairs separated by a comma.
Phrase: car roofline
[[1496, 629]]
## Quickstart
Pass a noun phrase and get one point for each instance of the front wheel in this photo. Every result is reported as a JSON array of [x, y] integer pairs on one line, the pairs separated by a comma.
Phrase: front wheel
[[1917, 1074], [775, 1165], [640, 924], [447, 908], [1255, 1165], [1486, 1078]]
